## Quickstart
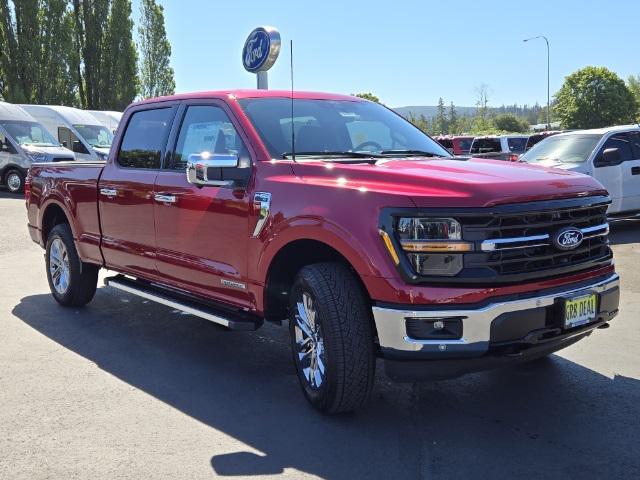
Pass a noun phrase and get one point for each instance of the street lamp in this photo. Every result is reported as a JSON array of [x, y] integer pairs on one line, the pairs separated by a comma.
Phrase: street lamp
[[548, 90]]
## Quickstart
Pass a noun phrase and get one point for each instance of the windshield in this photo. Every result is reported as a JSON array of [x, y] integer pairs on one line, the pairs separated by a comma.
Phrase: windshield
[[346, 128], [574, 148], [29, 133], [95, 135]]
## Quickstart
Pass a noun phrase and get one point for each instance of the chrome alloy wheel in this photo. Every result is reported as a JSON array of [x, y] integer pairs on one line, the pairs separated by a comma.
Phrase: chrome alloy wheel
[[59, 266], [14, 182], [309, 342]]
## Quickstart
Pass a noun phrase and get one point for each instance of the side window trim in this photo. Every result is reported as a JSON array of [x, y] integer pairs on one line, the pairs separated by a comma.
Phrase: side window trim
[[173, 106]]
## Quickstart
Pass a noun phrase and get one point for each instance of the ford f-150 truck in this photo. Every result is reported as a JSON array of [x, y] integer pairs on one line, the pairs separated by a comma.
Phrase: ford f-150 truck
[[337, 215]]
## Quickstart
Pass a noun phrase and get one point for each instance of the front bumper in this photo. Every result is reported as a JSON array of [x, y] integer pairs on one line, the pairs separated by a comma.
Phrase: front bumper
[[492, 334]]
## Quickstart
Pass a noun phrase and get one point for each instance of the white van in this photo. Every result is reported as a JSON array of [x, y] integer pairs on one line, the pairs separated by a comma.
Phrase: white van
[[22, 141], [108, 118], [611, 155], [76, 129]]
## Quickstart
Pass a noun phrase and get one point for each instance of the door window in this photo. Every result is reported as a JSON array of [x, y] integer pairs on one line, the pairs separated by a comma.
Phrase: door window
[[5, 144], [634, 137], [68, 139], [145, 138], [207, 128], [620, 141]]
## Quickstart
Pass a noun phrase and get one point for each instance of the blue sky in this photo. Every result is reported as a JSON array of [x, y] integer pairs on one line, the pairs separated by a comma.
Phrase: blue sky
[[406, 52]]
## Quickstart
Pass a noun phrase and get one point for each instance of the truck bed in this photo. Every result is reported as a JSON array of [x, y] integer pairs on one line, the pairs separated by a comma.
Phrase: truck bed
[[71, 188]]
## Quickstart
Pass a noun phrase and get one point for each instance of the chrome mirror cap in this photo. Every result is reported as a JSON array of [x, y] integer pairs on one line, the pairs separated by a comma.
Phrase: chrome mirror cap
[[199, 164]]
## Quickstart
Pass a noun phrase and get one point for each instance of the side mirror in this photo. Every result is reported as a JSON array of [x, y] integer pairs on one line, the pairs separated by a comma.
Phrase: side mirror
[[205, 169], [78, 147], [610, 156], [65, 144]]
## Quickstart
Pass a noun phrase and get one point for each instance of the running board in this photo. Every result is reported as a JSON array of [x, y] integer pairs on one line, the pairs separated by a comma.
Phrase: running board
[[232, 319]]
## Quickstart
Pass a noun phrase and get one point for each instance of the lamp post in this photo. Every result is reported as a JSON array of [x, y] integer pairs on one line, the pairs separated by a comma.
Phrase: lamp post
[[548, 89]]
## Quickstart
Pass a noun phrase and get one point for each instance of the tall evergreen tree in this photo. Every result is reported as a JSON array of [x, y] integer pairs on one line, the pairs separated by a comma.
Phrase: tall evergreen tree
[[440, 122], [119, 61], [156, 74], [453, 119]]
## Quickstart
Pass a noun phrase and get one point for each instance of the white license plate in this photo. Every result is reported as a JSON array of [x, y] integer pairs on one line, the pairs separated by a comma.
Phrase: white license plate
[[579, 310]]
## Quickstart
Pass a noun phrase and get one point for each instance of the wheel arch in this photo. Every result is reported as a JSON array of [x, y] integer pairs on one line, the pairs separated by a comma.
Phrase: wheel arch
[[54, 214]]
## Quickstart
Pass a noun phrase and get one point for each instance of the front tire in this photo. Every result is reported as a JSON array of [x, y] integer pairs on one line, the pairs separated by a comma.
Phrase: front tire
[[14, 181], [72, 282], [332, 338]]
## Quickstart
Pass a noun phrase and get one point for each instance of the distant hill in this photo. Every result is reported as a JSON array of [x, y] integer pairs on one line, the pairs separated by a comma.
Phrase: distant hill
[[429, 111]]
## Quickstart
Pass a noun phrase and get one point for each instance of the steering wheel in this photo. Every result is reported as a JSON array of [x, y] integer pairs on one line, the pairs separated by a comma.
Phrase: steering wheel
[[368, 143]]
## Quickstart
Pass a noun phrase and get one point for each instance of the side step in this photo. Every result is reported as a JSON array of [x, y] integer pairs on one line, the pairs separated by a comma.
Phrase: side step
[[227, 317]]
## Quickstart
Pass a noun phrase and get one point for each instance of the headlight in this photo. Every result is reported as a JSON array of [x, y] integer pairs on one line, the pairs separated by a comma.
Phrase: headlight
[[433, 245], [36, 156]]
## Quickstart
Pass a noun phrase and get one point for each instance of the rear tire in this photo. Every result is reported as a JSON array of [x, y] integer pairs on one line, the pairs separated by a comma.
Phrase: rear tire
[[331, 338], [14, 181], [72, 282]]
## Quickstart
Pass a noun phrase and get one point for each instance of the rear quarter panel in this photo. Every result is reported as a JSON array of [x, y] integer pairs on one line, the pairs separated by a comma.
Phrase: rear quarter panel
[[72, 186]]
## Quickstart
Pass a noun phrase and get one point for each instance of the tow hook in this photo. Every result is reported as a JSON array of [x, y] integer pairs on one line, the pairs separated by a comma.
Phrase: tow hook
[[603, 326]]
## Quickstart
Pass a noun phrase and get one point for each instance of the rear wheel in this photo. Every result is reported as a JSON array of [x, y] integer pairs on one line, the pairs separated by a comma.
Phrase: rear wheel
[[72, 282], [14, 180], [331, 338]]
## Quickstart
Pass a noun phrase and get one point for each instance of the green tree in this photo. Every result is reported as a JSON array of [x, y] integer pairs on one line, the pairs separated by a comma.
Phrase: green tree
[[633, 83], [510, 123], [594, 97], [119, 63], [480, 122], [156, 74], [441, 122], [368, 96], [453, 119]]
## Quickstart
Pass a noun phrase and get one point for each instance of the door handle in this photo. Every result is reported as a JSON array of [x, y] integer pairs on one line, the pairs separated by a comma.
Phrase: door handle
[[109, 192], [163, 198], [635, 170]]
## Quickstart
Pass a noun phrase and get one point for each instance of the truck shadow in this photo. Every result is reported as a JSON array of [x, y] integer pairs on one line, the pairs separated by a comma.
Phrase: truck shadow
[[548, 419]]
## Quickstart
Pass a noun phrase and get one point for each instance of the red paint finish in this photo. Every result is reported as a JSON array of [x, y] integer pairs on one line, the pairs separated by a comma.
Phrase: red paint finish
[[204, 240]]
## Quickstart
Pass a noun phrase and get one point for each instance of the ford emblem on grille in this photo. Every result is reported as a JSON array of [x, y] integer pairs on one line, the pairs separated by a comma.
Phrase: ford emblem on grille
[[568, 238]]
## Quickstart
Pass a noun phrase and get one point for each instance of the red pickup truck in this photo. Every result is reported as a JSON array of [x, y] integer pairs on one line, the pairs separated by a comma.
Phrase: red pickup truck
[[336, 214]]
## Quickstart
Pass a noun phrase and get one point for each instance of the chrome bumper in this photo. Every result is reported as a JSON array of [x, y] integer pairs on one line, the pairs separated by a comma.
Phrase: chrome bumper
[[476, 329]]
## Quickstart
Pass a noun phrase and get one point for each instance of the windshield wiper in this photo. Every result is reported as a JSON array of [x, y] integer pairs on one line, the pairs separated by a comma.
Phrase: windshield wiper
[[334, 153], [409, 153]]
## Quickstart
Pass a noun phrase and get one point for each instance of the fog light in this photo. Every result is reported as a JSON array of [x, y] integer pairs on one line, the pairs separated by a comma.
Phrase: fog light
[[444, 328]]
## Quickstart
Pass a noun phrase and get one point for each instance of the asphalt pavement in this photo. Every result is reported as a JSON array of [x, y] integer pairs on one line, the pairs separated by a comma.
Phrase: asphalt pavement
[[129, 389]]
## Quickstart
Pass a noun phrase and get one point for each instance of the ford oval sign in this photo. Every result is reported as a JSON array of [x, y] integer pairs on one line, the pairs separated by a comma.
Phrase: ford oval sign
[[261, 49], [568, 238]]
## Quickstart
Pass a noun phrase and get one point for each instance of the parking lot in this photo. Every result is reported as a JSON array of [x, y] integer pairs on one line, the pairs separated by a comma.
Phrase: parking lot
[[129, 389]]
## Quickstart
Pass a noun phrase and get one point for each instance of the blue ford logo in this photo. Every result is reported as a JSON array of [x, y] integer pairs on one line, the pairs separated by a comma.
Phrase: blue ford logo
[[568, 238], [261, 49]]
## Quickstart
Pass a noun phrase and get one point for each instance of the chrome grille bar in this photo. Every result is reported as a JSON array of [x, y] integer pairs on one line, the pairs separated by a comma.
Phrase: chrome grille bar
[[500, 244]]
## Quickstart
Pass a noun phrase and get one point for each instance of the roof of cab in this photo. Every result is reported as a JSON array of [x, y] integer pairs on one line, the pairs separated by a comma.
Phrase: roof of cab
[[239, 94], [9, 111], [602, 131]]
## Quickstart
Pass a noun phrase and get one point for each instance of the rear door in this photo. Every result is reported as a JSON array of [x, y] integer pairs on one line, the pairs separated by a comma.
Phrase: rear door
[[631, 174], [125, 192], [616, 178], [202, 232]]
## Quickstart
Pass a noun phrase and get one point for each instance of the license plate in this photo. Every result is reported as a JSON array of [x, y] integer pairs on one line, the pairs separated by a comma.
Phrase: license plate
[[579, 310]]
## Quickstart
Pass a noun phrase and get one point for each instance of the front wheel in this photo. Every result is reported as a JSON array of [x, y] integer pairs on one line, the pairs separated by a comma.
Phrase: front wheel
[[72, 282], [332, 338], [14, 180]]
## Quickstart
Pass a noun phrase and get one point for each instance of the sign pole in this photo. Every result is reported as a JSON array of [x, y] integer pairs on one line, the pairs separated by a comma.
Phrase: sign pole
[[263, 80]]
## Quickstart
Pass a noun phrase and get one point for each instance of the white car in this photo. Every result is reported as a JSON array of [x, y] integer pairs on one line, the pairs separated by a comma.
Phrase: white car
[[611, 155]]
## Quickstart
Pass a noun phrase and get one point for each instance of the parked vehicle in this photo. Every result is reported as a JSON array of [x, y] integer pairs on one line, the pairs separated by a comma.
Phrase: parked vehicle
[[108, 118], [499, 147], [75, 129], [368, 237], [538, 137], [611, 155], [23, 141], [456, 145]]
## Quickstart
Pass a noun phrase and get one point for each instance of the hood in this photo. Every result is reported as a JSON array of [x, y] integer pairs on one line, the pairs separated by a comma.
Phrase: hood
[[50, 152], [457, 183]]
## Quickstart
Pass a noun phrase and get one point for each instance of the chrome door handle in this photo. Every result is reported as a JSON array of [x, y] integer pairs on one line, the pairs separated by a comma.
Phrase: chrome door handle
[[162, 198], [109, 192]]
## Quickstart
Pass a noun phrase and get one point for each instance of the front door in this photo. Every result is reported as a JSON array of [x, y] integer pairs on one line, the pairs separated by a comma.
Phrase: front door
[[125, 193], [620, 179], [202, 232]]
